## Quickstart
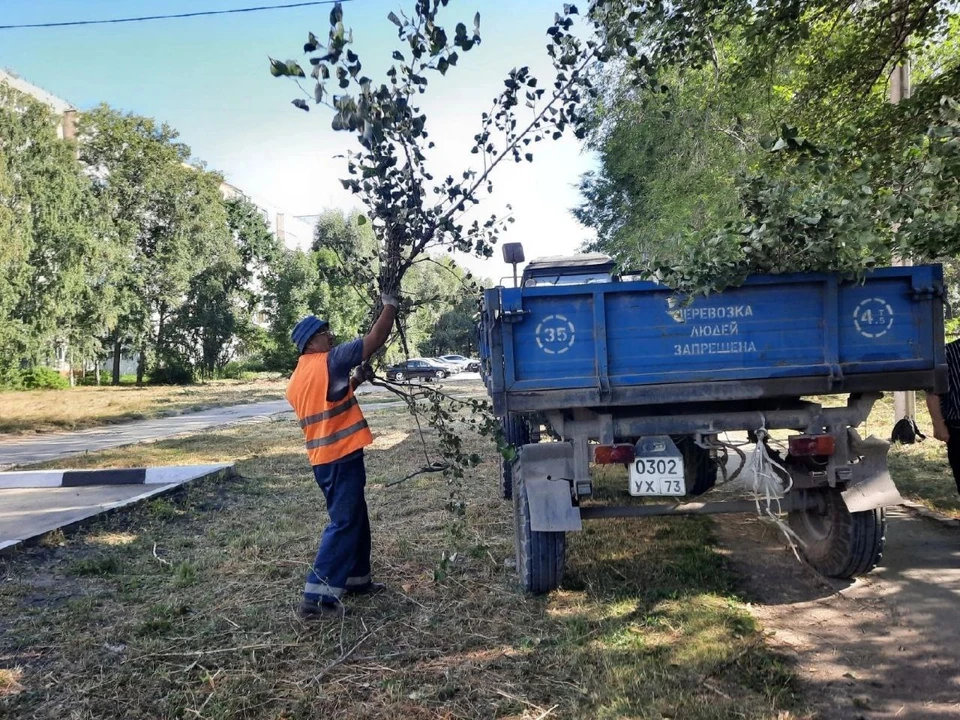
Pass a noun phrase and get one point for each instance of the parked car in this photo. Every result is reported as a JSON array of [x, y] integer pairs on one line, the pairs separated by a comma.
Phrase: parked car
[[473, 366], [417, 368], [457, 361]]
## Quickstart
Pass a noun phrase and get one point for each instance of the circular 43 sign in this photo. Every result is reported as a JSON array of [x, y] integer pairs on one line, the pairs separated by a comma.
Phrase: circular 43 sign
[[555, 334], [873, 317]]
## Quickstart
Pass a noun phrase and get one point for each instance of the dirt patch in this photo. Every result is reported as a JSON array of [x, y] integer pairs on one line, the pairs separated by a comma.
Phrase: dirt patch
[[885, 646]]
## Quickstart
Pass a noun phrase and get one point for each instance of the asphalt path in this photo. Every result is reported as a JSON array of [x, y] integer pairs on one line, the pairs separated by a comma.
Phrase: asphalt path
[[884, 646], [18, 451]]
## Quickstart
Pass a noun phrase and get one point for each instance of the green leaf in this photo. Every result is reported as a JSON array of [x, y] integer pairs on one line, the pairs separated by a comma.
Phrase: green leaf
[[392, 17], [336, 15], [312, 44], [277, 68], [361, 220], [301, 103]]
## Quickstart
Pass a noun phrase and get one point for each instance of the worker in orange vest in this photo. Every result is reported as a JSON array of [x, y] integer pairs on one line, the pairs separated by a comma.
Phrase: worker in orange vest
[[321, 393]]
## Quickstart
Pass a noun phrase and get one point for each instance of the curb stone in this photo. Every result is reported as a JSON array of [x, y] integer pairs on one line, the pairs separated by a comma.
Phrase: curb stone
[[923, 511], [39, 528]]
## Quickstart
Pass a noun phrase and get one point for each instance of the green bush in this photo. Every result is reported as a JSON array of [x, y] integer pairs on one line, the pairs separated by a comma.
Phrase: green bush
[[254, 364], [91, 378], [43, 378], [173, 374], [232, 371]]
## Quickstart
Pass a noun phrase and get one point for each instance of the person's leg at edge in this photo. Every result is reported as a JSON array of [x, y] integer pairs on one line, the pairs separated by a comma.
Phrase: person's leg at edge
[[953, 452], [336, 556]]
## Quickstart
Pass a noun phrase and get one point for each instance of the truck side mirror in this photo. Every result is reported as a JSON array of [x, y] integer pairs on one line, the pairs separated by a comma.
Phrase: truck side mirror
[[512, 255]]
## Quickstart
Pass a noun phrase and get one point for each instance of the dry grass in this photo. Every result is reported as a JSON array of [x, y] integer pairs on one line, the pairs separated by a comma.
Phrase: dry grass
[[83, 407], [646, 625], [10, 681]]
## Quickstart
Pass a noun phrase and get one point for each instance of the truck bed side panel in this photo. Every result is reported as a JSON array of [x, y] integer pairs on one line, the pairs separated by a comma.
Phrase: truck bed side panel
[[615, 336]]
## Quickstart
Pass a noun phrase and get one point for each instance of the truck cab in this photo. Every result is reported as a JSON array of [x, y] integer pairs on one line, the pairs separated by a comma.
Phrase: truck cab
[[583, 269]]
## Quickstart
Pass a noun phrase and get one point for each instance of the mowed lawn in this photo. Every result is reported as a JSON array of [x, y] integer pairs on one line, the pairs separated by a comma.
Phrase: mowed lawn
[[184, 607], [31, 411]]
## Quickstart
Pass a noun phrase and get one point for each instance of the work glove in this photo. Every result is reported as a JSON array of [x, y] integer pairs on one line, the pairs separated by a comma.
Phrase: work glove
[[389, 299], [364, 373]]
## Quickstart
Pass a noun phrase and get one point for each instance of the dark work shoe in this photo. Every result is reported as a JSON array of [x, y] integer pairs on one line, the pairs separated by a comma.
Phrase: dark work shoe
[[371, 589], [310, 609]]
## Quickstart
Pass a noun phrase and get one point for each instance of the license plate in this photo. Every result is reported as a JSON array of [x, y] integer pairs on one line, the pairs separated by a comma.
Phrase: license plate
[[657, 476]]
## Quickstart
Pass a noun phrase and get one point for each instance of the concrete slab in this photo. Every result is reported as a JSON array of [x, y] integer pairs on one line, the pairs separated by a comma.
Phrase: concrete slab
[[27, 513], [111, 476]]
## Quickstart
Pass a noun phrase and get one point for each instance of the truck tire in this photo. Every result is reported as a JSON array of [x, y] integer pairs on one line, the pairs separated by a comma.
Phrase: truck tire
[[516, 433], [837, 542], [541, 556], [699, 469]]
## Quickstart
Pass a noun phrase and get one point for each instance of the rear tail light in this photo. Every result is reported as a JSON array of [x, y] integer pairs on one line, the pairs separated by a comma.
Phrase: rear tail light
[[806, 445], [614, 454]]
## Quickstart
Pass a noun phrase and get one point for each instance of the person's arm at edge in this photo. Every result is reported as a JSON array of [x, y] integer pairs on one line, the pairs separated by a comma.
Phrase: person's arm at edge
[[377, 337], [940, 431]]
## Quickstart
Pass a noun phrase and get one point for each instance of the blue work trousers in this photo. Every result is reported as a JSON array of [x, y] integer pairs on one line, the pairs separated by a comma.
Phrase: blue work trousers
[[343, 560]]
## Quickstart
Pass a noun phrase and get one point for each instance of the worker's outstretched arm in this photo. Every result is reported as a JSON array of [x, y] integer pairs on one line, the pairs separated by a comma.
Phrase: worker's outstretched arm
[[375, 339]]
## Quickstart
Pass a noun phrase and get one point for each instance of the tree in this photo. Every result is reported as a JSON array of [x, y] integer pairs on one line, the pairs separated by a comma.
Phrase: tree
[[455, 330], [289, 295], [223, 298], [344, 254], [669, 160], [166, 219], [51, 260], [843, 180], [411, 213]]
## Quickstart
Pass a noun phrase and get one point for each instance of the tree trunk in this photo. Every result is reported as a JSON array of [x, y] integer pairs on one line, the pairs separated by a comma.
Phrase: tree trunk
[[162, 312], [142, 364], [117, 350]]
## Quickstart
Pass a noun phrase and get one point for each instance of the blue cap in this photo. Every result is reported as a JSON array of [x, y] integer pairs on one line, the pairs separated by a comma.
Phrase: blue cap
[[306, 329]]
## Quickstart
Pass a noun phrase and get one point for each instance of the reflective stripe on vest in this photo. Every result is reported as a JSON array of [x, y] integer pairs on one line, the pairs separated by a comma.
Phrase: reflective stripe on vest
[[327, 414], [332, 430], [337, 436]]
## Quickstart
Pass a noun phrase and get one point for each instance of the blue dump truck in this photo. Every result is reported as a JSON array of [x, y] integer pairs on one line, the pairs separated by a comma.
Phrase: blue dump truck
[[585, 368]]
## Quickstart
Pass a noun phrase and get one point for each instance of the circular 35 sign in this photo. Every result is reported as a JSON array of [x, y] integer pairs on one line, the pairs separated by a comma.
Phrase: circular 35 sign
[[555, 334], [873, 317]]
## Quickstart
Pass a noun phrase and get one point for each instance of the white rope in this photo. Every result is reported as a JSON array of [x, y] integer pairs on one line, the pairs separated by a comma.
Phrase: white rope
[[768, 487]]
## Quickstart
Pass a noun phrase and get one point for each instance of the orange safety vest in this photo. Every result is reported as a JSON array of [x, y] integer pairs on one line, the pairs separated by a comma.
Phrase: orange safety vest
[[333, 430]]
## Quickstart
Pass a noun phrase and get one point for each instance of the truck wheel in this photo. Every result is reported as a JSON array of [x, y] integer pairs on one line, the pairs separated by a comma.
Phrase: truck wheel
[[516, 433], [541, 556], [699, 469], [837, 542]]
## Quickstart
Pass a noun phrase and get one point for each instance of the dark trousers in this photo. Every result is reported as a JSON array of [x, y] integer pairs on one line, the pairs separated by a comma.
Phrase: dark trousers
[[953, 451], [343, 560]]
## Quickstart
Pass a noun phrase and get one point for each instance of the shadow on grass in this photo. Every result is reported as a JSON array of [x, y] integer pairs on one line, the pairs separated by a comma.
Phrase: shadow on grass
[[922, 474]]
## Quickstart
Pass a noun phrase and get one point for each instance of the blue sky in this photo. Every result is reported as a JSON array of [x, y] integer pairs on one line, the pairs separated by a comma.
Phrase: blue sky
[[209, 78]]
